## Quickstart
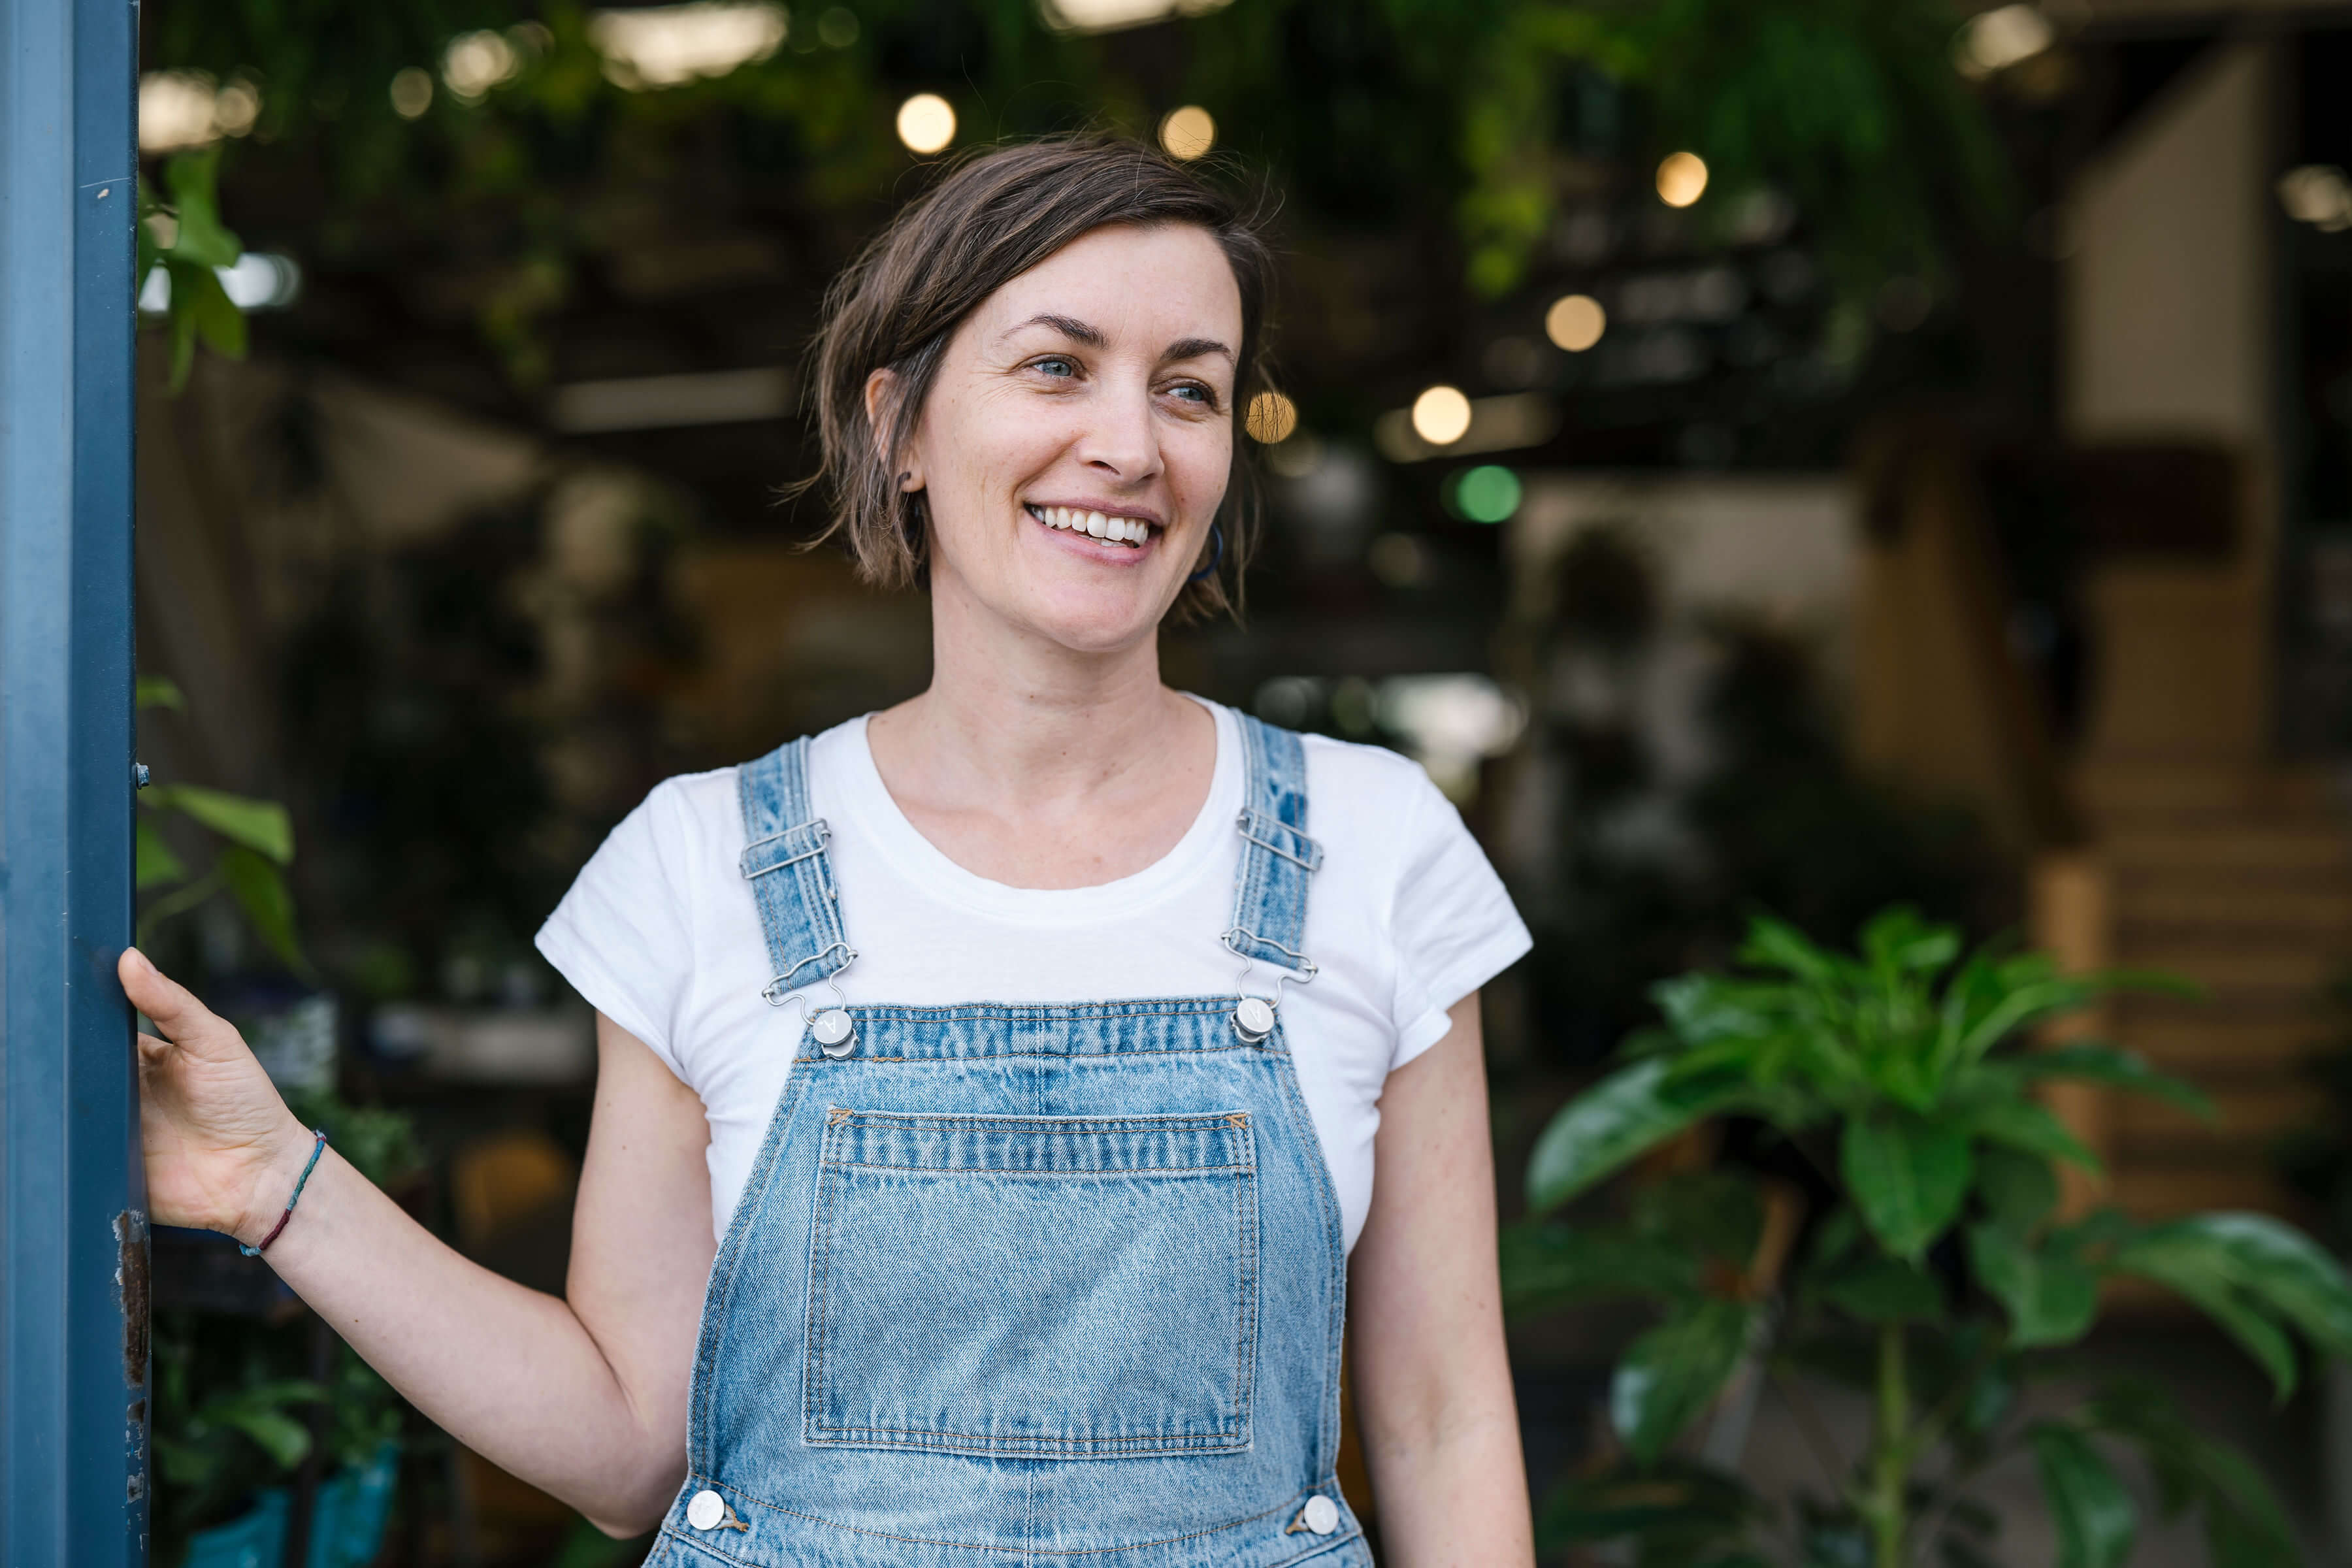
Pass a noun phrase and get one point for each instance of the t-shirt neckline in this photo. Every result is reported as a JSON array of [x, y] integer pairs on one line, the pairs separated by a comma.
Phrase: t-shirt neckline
[[871, 811]]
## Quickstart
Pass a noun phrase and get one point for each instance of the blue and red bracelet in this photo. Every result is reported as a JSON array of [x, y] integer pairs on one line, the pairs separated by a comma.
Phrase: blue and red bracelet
[[317, 1149]]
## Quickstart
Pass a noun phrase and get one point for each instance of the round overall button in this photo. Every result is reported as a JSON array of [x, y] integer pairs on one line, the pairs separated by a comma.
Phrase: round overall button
[[831, 1029], [705, 1510], [1254, 1018], [1321, 1514]]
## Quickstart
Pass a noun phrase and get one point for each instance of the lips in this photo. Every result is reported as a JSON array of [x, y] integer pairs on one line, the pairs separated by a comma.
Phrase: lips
[[1132, 532]]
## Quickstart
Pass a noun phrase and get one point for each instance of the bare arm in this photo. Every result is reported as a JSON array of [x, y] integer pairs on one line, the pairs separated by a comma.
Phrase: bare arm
[[585, 1398], [1433, 1386]]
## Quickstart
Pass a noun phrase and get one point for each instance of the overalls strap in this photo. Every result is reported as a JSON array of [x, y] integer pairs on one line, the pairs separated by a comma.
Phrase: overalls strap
[[1277, 857], [791, 876]]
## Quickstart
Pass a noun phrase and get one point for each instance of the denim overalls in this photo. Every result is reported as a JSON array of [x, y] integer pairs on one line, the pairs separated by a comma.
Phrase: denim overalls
[[1014, 1285]]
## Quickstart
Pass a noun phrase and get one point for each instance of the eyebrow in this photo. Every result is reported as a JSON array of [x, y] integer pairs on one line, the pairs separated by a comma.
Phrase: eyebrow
[[1079, 332]]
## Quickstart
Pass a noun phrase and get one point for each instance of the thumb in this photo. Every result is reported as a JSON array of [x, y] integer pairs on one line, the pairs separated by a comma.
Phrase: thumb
[[185, 1021]]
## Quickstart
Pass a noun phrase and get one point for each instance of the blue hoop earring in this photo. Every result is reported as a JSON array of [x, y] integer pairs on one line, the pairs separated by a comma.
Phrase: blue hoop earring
[[1216, 555]]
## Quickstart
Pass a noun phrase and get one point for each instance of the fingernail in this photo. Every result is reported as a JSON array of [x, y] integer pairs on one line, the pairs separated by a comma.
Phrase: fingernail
[[138, 962]]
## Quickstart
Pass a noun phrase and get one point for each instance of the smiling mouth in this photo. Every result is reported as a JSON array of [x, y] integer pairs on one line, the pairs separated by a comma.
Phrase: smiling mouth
[[1132, 532]]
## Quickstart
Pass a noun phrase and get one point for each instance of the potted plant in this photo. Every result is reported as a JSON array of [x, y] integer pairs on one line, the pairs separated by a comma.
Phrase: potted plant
[[1937, 1273]]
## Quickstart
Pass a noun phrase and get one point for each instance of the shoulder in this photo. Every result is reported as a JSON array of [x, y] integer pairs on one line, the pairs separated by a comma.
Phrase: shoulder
[[694, 807], [1349, 784]]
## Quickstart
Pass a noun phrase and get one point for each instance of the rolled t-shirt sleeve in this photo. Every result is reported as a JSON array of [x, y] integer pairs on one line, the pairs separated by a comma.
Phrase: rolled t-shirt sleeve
[[1453, 924], [622, 936]]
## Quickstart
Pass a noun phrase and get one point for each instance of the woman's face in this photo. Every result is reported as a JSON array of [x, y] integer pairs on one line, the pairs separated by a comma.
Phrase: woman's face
[[1080, 435]]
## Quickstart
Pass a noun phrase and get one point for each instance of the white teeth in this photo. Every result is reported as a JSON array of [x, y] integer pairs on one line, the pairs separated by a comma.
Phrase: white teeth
[[1095, 524]]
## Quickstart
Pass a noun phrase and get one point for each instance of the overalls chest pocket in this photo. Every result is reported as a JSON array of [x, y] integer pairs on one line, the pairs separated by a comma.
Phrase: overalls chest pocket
[[1034, 1287]]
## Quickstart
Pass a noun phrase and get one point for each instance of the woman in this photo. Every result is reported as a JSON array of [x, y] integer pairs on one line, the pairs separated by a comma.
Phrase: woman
[[1029, 1045]]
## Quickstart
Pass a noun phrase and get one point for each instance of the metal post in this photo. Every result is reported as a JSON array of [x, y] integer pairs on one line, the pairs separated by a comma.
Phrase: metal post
[[73, 1242]]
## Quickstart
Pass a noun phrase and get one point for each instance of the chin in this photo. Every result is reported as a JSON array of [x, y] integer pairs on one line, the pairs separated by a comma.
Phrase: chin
[[1095, 621]]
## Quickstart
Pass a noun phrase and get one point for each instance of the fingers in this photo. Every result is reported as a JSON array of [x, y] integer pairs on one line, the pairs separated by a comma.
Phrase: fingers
[[185, 1021]]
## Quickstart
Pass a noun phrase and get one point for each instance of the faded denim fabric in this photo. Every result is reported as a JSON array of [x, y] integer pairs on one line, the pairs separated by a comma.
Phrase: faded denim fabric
[[1019, 1286]]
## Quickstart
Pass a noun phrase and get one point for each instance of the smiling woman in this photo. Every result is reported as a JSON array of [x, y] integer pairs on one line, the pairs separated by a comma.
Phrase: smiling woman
[[1059, 245], [1028, 1051]]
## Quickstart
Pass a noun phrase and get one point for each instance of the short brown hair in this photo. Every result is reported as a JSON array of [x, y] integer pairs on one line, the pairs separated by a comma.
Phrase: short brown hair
[[996, 215]]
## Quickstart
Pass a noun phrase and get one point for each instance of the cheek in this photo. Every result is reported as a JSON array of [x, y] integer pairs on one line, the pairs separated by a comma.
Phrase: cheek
[[1200, 465]]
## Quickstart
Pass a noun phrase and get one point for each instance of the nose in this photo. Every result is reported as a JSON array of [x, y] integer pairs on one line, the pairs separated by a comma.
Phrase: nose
[[1120, 441]]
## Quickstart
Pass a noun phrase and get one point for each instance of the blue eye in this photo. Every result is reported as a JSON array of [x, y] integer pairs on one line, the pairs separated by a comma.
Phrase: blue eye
[[1057, 366]]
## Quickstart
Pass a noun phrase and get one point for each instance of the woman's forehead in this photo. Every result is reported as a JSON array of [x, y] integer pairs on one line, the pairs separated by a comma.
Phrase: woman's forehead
[[1135, 287]]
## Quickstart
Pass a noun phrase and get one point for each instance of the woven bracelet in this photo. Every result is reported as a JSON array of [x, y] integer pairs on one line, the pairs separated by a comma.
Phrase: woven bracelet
[[317, 1149]]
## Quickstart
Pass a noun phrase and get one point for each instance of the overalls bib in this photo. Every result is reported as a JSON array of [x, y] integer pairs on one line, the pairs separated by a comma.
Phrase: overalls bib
[[1021, 1285]]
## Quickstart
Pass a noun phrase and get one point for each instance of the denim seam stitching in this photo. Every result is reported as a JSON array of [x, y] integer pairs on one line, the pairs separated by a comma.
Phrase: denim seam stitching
[[1132, 1447], [1106, 1172], [855, 1058], [974, 1545], [730, 1249], [816, 1380]]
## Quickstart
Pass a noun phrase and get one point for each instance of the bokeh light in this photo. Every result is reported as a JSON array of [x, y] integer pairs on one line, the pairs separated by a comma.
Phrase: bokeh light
[[665, 46], [1575, 322], [1998, 39], [1271, 418], [926, 123], [411, 91], [1188, 133], [475, 62], [1441, 416], [1488, 493], [1682, 179]]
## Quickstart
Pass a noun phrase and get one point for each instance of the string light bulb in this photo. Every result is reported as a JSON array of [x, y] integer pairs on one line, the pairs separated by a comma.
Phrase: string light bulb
[[1575, 322], [1188, 133], [926, 123], [1682, 179], [1441, 416]]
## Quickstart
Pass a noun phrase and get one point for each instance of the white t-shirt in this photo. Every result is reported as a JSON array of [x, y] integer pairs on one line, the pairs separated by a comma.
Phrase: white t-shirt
[[660, 933]]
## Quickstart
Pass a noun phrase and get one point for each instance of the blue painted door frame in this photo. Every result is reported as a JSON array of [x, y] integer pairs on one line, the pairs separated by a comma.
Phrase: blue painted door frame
[[73, 1244]]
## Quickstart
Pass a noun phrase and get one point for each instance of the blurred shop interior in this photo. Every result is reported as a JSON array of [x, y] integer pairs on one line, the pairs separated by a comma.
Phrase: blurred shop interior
[[1947, 502]]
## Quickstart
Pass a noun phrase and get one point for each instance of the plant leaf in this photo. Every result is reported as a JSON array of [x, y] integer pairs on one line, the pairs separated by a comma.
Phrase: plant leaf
[[1545, 1265], [158, 691], [1775, 944], [2119, 1068], [2051, 1298], [2193, 1270], [2281, 1267], [1908, 1176], [1625, 1114], [1668, 1376], [2028, 1125], [155, 860], [200, 292], [2095, 1516], [261, 826], [1882, 1290], [260, 891], [286, 1440], [2020, 1190], [200, 241], [1685, 1500], [1898, 942], [2245, 1526]]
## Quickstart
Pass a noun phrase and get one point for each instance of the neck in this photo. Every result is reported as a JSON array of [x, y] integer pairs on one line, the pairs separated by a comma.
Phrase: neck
[[1023, 722]]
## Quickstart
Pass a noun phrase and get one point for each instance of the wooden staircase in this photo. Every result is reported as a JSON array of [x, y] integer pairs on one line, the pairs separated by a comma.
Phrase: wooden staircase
[[2235, 874]]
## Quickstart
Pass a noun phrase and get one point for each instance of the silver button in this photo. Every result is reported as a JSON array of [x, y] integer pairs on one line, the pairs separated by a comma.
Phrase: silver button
[[706, 1509], [833, 1028], [1253, 1018], [1321, 1515]]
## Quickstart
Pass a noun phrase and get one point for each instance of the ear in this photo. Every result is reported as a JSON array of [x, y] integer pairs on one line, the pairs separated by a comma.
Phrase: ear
[[881, 408]]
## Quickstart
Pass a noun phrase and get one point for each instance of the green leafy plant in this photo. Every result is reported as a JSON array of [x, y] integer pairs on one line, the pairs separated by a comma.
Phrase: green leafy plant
[[253, 840], [1939, 1271], [185, 237]]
